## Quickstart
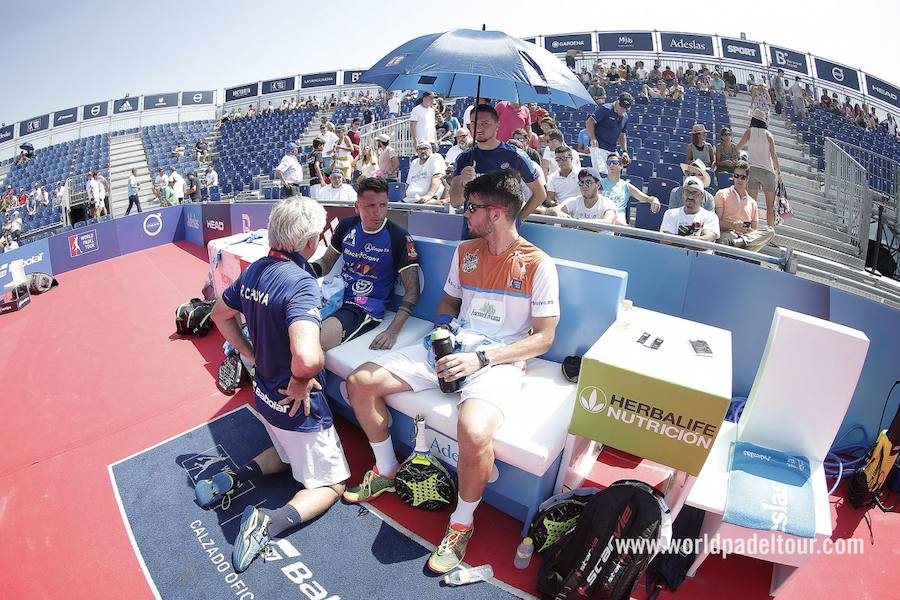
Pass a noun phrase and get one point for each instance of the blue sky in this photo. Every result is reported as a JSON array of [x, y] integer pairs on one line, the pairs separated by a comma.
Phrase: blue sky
[[72, 53]]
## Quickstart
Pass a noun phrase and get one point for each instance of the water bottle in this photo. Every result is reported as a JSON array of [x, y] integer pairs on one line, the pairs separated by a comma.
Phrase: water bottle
[[524, 553], [442, 343], [473, 575], [625, 314]]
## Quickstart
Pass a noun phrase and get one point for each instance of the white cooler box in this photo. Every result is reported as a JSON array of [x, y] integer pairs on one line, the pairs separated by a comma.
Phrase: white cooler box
[[228, 256]]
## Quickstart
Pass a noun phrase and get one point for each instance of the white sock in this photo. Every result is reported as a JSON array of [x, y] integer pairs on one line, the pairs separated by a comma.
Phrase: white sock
[[465, 512], [385, 458]]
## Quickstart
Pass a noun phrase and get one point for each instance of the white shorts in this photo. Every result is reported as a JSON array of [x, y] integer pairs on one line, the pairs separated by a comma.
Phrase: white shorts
[[316, 457], [496, 385], [598, 159]]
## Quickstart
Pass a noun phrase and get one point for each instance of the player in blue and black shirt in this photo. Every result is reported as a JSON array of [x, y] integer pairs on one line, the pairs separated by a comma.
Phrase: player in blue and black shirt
[[280, 300], [375, 251]]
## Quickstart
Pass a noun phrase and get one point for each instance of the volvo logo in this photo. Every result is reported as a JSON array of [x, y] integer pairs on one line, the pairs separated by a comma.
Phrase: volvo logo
[[592, 399], [837, 73], [153, 224]]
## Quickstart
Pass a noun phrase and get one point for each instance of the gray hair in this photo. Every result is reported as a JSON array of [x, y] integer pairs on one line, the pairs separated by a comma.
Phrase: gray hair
[[293, 222]]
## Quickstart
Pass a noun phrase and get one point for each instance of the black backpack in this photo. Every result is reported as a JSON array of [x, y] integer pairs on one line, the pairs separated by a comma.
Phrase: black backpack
[[586, 562], [193, 317], [38, 283]]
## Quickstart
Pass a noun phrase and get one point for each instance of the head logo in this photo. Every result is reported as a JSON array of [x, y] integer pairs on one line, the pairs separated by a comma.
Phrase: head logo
[[217, 225], [592, 399], [153, 224]]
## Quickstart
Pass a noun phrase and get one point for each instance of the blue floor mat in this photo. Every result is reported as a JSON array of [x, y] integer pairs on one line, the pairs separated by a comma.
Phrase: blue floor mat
[[349, 552]]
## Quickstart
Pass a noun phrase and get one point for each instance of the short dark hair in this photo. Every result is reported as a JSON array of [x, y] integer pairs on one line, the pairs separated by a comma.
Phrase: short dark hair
[[318, 143], [743, 165], [503, 187], [563, 149], [371, 184], [486, 108], [555, 134]]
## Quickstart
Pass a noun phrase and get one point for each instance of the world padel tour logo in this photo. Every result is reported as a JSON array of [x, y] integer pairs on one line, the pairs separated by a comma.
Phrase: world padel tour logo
[[82, 243], [592, 399]]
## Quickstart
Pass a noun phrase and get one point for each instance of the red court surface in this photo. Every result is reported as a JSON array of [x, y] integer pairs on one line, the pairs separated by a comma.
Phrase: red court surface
[[93, 373]]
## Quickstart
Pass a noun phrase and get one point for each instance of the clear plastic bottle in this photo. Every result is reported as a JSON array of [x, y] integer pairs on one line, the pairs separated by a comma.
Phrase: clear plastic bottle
[[625, 314], [524, 553], [473, 575]]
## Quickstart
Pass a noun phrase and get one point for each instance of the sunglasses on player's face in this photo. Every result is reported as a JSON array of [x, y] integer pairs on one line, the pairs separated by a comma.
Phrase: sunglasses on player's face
[[472, 207]]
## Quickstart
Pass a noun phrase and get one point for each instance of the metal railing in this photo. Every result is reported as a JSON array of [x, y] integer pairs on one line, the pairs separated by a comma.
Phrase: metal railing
[[846, 181], [883, 176], [397, 129]]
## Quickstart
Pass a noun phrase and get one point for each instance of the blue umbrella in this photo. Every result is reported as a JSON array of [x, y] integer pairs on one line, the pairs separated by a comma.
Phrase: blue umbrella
[[489, 64]]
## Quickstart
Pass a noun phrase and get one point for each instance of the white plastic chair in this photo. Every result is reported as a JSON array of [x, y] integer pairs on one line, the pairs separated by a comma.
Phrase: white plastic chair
[[805, 381]]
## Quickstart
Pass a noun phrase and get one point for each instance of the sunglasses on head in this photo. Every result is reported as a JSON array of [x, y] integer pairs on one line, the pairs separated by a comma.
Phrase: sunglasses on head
[[736, 176], [471, 207]]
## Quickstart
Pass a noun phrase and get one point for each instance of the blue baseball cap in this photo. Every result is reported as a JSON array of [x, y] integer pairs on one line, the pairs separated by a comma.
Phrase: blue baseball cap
[[292, 147]]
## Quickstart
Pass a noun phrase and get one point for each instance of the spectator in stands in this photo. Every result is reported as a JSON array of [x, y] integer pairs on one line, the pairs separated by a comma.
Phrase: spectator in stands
[[583, 142], [726, 152], [159, 184], [730, 82], [443, 130], [690, 75], [355, 137], [289, 172], [597, 92], [93, 189], [537, 115], [699, 148], [797, 100], [453, 121], [284, 344], [890, 125], [284, 105], [314, 167], [493, 374], [760, 100], [588, 204], [467, 115], [655, 74], [463, 142], [134, 189], [765, 172], [193, 187], [212, 183], [394, 258], [548, 158], [251, 110], [490, 154], [676, 92], [267, 109], [526, 140], [393, 104], [668, 75], [425, 180], [60, 196], [703, 85], [202, 148], [342, 158], [43, 196], [562, 182], [606, 130], [547, 125], [9, 198], [388, 163], [738, 214], [178, 151], [422, 121], [512, 116], [178, 185], [620, 191], [367, 165], [31, 204], [169, 198], [14, 229], [778, 87], [624, 71], [23, 196], [825, 100], [327, 133], [338, 190], [716, 82], [612, 73], [640, 72], [691, 220], [697, 169], [105, 193], [368, 116]]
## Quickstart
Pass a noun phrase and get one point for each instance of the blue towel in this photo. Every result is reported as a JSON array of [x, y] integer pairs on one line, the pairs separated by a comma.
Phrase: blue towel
[[769, 490]]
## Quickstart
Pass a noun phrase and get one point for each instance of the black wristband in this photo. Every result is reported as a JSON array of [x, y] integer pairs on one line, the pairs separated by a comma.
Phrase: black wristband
[[407, 306], [317, 268]]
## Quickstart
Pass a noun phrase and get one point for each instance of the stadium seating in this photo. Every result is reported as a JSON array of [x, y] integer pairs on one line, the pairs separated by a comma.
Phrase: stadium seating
[[160, 140]]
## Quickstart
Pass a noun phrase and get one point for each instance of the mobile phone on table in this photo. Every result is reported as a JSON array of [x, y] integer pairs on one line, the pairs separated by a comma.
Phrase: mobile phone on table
[[701, 348], [656, 343], [644, 337]]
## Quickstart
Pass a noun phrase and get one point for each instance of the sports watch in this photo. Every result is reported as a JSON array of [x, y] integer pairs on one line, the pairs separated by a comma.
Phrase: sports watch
[[483, 359]]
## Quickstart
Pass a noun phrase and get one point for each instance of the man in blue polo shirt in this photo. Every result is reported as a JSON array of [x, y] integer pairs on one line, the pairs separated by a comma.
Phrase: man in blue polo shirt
[[280, 300], [376, 251], [490, 154], [606, 129]]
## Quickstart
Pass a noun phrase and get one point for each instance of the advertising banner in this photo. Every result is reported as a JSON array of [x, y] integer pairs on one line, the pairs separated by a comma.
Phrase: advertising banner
[[250, 216], [351, 77], [84, 246], [741, 50], [64, 117], [583, 42], [625, 41], [836, 73], [7, 133], [150, 228], [169, 100], [318, 80], [34, 125], [194, 98], [193, 224], [36, 256], [884, 91], [92, 111], [274, 86], [125, 105], [686, 43], [216, 221], [242, 92], [790, 60]]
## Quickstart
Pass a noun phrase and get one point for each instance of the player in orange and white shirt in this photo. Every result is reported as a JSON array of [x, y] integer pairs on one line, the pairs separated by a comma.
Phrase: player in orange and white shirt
[[500, 286]]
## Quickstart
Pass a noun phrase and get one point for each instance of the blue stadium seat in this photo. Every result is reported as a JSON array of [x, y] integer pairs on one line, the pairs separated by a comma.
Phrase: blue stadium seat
[[669, 171], [650, 155], [661, 188], [645, 219], [396, 191], [724, 179], [640, 168], [672, 157], [636, 181], [654, 144]]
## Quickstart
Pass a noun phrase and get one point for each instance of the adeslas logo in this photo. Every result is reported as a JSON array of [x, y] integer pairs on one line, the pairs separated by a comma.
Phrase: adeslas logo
[[193, 222], [691, 45]]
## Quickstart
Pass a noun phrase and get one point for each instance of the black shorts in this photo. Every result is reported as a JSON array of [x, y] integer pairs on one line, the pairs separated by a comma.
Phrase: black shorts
[[354, 321]]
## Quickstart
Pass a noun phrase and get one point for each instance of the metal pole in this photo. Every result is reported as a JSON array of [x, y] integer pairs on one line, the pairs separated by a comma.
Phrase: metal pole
[[874, 269]]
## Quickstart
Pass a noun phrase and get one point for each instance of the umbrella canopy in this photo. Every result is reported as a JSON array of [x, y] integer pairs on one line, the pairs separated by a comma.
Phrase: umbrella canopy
[[27, 147], [456, 63]]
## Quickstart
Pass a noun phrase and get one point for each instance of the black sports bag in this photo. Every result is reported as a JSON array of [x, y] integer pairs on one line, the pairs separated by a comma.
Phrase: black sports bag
[[193, 317]]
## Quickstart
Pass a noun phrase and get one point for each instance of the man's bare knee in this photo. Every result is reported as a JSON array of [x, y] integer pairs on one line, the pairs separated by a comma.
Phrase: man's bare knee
[[364, 383]]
